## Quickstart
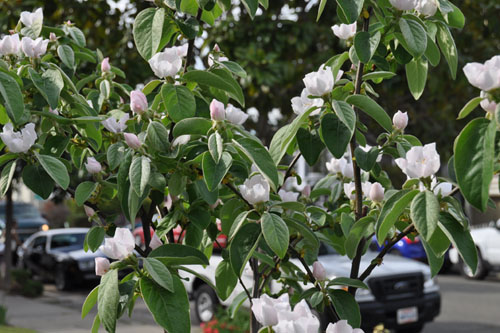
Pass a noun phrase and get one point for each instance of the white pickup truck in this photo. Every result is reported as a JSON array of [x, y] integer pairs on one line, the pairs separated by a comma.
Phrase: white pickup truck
[[402, 294], [487, 240]]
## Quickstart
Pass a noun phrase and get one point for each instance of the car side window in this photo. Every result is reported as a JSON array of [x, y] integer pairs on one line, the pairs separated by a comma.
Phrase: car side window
[[39, 243]]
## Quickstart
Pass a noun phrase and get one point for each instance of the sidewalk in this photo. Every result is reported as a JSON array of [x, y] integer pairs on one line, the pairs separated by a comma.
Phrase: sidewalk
[[57, 312]]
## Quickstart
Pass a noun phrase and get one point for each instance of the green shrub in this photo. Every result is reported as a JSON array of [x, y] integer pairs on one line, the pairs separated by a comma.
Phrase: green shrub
[[24, 285], [3, 315]]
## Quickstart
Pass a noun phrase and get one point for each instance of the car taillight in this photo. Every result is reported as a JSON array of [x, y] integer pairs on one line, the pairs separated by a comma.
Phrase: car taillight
[[409, 241]]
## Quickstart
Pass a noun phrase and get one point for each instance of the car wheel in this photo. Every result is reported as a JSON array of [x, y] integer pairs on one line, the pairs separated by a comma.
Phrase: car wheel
[[61, 280], [205, 303], [412, 329], [481, 270]]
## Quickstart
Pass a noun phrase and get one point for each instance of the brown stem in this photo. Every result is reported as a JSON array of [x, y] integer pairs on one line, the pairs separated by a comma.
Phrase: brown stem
[[254, 264], [235, 191], [378, 259], [357, 171], [190, 55], [9, 223], [289, 170]]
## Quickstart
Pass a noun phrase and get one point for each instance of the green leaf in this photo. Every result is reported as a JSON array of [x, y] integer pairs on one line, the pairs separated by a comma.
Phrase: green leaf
[[261, 157], [432, 52], [178, 254], [115, 155], [379, 75], [147, 30], [90, 302], [107, 300], [215, 146], [84, 191], [179, 101], [469, 107], [139, 173], [474, 161], [321, 7], [335, 134], [169, 309], [251, 6], [434, 261], [243, 245], [199, 217], [220, 79], [6, 177], [393, 208], [310, 145], [225, 279], [416, 75], [366, 160], [159, 273], [460, 238], [414, 35], [37, 180], [343, 281], [50, 84], [192, 126], [362, 228], [371, 108], [275, 233], [306, 232], [439, 242], [456, 18], [12, 97], [66, 55], [78, 37], [234, 68], [349, 10], [94, 238], [150, 86], [55, 168], [157, 136], [424, 212], [213, 173], [346, 306], [448, 48], [346, 114], [365, 45]]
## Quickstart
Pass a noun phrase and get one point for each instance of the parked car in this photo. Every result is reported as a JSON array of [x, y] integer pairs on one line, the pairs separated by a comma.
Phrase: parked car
[[402, 294], [57, 255], [406, 247], [138, 234], [487, 240], [28, 218]]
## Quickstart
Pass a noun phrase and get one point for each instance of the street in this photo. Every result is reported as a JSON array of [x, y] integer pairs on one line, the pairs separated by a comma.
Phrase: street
[[467, 306]]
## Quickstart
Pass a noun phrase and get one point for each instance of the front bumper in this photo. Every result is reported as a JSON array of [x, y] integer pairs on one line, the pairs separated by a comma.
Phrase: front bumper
[[375, 312]]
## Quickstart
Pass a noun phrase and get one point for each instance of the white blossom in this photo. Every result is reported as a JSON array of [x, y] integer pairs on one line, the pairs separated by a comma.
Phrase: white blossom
[[376, 193], [302, 103], [484, 76], [288, 196], [19, 142], [138, 102], [341, 165], [166, 63], [132, 140], [34, 48], [404, 4], [487, 104], [344, 31], [255, 189], [30, 18], [319, 271], [235, 115], [254, 114], [114, 125], [400, 120], [420, 162], [342, 326], [10, 44], [217, 110], [274, 117], [320, 82], [427, 7], [120, 246], [155, 241], [101, 266]]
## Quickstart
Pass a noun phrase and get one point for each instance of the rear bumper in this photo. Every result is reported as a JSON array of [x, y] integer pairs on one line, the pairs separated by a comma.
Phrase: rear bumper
[[375, 312]]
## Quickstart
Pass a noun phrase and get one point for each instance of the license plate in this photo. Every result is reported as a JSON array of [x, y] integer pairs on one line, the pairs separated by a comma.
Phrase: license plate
[[407, 315]]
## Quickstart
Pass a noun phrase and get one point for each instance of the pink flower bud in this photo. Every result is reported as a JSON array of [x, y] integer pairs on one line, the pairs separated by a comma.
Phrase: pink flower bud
[[52, 37], [319, 271], [54, 111], [155, 241], [400, 120], [306, 191], [92, 165], [376, 192], [105, 67], [138, 102], [217, 111], [216, 48], [89, 211], [101, 266], [132, 140]]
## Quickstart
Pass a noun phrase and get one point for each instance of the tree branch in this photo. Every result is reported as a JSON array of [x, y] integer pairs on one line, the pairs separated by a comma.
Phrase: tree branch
[[235, 191], [190, 55], [289, 170]]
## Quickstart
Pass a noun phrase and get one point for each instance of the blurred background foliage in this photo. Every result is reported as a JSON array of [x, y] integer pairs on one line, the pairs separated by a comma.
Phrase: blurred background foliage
[[279, 47]]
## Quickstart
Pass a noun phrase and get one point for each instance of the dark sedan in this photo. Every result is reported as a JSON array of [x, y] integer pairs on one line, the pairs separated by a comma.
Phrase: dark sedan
[[57, 255]]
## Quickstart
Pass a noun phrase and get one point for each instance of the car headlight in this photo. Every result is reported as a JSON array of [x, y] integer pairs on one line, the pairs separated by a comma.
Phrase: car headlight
[[45, 227], [86, 265]]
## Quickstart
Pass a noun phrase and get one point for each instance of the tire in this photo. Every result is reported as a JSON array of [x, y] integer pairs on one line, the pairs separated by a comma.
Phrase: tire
[[205, 303], [481, 272], [61, 280], [413, 329]]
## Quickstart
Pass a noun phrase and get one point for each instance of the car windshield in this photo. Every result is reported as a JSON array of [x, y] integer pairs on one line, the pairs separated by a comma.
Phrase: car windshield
[[67, 242], [21, 211]]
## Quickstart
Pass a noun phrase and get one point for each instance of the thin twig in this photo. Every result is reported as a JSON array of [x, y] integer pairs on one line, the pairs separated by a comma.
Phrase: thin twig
[[235, 191], [246, 290], [375, 262], [189, 57], [289, 170]]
